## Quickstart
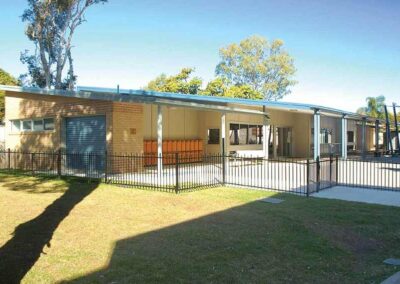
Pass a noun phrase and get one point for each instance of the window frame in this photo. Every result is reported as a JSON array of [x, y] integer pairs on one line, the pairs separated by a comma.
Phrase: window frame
[[352, 136], [213, 142], [32, 121], [238, 126]]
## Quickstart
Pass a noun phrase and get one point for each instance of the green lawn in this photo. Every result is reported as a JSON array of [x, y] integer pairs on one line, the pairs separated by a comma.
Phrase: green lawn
[[72, 231]]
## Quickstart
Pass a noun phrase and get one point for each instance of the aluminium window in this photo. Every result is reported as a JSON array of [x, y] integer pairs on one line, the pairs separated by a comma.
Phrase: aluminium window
[[326, 136], [48, 124], [15, 125], [32, 125], [245, 134], [213, 136], [350, 136], [27, 125], [38, 125]]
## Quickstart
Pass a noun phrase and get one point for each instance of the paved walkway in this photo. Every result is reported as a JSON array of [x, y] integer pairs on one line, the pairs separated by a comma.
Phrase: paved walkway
[[373, 196]]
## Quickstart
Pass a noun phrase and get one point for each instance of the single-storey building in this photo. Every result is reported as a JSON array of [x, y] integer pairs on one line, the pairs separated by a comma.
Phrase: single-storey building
[[146, 122]]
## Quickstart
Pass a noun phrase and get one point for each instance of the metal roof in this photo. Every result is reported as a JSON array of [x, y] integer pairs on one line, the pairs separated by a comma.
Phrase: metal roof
[[287, 106], [184, 100]]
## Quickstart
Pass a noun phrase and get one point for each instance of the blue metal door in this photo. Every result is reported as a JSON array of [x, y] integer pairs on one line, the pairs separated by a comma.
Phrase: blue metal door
[[86, 142]]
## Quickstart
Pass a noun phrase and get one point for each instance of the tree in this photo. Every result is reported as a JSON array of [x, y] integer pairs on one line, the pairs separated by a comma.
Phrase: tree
[[262, 65], [5, 79], [180, 83], [51, 26], [375, 107], [219, 88]]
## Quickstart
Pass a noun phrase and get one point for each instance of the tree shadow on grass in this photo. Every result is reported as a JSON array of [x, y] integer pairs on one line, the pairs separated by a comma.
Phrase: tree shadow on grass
[[253, 243], [21, 252]]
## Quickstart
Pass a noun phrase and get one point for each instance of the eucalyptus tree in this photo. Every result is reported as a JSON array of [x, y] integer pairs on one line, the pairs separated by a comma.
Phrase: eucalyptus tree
[[264, 66], [51, 25]]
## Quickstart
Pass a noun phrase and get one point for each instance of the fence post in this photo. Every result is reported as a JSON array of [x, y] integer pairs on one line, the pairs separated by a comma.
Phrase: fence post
[[9, 159], [337, 170], [176, 172], [33, 163], [308, 177], [330, 169], [318, 174], [59, 163]]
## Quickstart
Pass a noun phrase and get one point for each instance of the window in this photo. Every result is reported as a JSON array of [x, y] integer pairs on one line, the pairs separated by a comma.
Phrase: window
[[32, 125], [15, 125], [38, 125], [253, 129], [234, 134], [244, 134], [48, 123], [350, 136], [213, 136], [326, 136], [27, 125]]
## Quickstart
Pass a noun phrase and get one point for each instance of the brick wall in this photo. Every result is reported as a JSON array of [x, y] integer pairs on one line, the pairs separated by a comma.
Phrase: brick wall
[[124, 122]]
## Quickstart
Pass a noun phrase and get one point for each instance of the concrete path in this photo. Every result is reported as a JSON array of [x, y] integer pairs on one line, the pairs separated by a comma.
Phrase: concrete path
[[374, 196]]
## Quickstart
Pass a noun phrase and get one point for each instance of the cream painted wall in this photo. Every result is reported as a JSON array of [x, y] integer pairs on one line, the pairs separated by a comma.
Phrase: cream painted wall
[[178, 123], [335, 124]]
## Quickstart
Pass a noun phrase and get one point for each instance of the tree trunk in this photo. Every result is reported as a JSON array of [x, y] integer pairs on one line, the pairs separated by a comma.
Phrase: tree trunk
[[45, 65], [71, 83]]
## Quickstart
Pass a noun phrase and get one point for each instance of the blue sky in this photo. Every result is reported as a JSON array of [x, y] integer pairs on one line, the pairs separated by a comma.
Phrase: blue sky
[[344, 50]]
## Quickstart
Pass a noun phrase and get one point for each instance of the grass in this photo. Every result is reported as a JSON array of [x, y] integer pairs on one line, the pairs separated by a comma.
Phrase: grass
[[73, 231]]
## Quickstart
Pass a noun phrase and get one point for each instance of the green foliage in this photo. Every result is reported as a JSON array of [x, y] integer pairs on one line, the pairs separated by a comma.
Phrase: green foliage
[[180, 83], [219, 88], [5, 79], [216, 87], [262, 65], [375, 107]]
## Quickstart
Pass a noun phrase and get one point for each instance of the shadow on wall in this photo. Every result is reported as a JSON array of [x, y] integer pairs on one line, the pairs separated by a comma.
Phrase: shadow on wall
[[21, 252], [37, 106]]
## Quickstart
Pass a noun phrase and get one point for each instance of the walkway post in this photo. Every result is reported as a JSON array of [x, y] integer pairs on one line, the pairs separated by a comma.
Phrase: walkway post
[[344, 136], [223, 150], [318, 174], [266, 132], [363, 136], [317, 136], [9, 159], [396, 127], [377, 129], [274, 146], [159, 141], [308, 177]]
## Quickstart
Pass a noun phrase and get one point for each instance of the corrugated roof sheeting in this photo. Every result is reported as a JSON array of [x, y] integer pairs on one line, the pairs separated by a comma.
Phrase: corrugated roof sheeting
[[217, 103]]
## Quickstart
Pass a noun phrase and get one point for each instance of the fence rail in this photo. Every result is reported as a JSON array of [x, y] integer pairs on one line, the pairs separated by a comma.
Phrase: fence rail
[[189, 171]]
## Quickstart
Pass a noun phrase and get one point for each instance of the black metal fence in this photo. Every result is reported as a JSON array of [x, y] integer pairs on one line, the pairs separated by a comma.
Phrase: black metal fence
[[377, 173], [178, 172], [189, 171]]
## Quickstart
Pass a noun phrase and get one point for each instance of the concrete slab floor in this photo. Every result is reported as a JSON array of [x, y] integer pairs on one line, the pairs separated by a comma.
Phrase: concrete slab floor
[[365, 195]]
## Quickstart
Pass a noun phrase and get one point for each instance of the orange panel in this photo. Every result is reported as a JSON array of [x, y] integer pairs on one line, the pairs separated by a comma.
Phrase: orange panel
[[153, 147], [164, 146], [169, 147], [173, 147]]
